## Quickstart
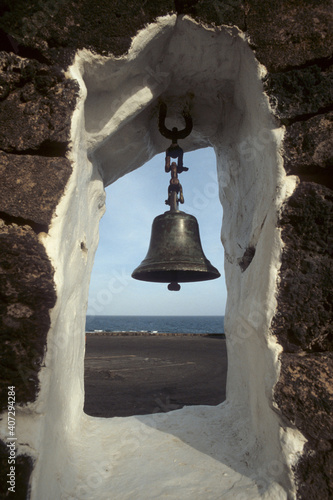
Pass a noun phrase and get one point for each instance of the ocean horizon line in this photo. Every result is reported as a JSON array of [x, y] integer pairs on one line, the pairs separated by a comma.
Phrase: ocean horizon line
[[153, 323], [157, 315]]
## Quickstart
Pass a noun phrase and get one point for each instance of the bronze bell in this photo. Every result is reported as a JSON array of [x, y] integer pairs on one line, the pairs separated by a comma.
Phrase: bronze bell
[[175, 253]]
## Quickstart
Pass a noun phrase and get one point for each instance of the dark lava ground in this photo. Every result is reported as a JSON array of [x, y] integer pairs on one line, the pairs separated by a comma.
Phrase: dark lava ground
[[135, 375]]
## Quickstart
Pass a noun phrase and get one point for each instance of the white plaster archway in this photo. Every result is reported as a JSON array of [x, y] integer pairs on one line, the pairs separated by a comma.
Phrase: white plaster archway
[[198, 451]]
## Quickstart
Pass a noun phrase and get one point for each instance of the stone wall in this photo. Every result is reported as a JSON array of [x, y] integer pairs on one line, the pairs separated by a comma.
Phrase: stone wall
[[293, 40]]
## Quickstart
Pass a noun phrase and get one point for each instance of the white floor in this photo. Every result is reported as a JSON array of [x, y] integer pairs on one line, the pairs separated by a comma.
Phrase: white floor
[[165, 456]]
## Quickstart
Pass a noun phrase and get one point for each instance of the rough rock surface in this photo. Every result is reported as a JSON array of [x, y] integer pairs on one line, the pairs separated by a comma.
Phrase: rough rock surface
[[24, 467], [289, 33], [303, 326], [299, 93], [304, 394], [35, 105], [53, 31], [31, 186], [26, 295], [303, 322], [309, 149], [293, 39]]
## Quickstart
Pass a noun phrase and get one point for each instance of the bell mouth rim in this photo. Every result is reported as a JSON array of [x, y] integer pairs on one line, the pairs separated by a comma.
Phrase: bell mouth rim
[[180, 275]]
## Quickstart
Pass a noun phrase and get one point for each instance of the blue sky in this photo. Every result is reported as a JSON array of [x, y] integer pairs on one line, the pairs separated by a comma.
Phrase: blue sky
[[131, 205]]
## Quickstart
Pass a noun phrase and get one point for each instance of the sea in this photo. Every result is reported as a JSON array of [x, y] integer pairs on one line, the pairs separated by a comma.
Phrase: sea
[[156, 324]]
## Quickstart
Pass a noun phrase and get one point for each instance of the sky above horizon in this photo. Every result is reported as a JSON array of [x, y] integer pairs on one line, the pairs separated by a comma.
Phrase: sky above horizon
[[132, 203]]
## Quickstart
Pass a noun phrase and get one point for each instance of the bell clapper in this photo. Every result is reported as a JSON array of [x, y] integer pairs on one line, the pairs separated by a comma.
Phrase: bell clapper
[[173, 286]]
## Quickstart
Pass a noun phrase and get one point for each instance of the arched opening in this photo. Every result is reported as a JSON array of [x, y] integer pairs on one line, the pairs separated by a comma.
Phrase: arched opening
[[132, 203], [114, 132], [187, 364]]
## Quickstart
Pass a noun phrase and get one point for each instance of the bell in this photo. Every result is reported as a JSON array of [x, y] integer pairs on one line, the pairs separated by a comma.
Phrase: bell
[[175, 253]]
